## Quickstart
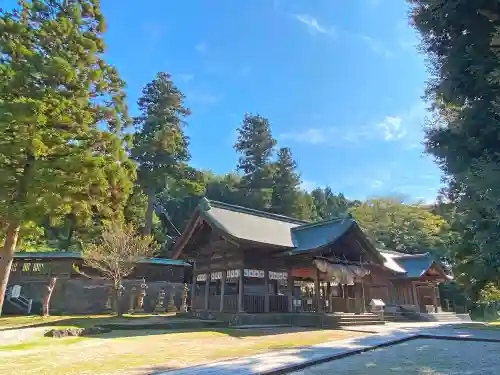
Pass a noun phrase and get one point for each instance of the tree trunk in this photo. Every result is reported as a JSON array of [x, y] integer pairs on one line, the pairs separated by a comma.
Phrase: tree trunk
[[6, 256], [46, 298], [117, 291], [148, 225]]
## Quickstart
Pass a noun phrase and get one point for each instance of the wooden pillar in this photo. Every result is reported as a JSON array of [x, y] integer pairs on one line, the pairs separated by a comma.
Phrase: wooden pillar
[[222, 290], [317, 295], [193, 285], [329, 295], [241, 290], [207, 290], [266, 288], [434, 298], [415, 295], [290, 286], [363, 299]]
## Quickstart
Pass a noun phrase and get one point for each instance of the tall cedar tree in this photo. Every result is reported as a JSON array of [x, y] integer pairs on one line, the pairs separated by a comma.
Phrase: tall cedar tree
[[55, 90], [255, 145], [461, 39], [327, 204], [286, 193], [160, 145]]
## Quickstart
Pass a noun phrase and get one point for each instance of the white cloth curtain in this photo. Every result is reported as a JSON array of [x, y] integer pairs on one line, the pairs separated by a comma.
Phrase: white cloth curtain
[[341, 273]]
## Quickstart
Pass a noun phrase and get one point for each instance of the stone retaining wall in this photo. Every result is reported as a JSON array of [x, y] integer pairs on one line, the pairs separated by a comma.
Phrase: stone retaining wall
[[91, 296]]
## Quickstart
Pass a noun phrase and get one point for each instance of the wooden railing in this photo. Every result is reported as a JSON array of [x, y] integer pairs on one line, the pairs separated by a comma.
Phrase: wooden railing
[[231, 303], [198, 303], [278, 303], [352, 305], [213, 303], [306, 307], [254, 304]]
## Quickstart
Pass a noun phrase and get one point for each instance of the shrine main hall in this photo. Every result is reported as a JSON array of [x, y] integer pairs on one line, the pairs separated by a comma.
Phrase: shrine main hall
[[254, 262]]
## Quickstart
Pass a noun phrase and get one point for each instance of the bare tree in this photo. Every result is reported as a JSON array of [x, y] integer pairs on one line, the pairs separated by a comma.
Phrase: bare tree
[[116, 256], [46, 298]]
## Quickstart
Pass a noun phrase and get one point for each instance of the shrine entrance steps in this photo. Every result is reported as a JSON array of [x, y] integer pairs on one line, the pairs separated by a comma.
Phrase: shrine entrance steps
[[426, 317], [316, 320], [446, 317]]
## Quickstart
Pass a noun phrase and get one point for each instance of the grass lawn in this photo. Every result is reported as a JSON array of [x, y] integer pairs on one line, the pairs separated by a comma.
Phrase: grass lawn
[[134, 352], [495, 325], [9, 322]]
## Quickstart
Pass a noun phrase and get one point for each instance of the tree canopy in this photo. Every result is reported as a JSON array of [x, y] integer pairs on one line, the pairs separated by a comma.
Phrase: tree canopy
[[461, 39], [403, 227], [160, 145], [62, 112]]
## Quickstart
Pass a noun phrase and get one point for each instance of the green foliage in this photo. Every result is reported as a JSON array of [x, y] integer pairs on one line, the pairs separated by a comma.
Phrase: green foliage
[[489, 293], [255, 145], [327, 204], [461, 39], [398, 226], [286, 184], [160, 145], [55, 92], [135, 208]]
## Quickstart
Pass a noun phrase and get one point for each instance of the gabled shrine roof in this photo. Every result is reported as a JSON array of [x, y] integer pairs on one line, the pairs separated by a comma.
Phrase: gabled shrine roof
[[312, 236], [413, 265], [251, 225]]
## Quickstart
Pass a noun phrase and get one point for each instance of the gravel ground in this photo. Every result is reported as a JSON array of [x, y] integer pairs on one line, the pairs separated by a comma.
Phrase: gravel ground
[[418, 357]]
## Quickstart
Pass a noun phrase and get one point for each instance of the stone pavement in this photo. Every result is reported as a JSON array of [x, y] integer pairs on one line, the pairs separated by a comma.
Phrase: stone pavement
[[283, 361]]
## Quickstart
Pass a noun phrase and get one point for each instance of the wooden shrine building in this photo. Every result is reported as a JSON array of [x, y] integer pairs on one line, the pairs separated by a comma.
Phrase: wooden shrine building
[[250, 261], [81, 290]]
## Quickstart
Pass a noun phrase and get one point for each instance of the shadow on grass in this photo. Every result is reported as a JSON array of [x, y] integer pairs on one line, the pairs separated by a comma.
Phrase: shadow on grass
[[136, 326]]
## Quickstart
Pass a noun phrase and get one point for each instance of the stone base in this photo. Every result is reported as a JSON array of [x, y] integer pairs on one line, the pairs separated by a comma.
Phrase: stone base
[[316, 320]]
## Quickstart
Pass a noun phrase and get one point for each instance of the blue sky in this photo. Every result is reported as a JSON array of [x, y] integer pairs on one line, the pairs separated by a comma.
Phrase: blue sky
[[340, 81]]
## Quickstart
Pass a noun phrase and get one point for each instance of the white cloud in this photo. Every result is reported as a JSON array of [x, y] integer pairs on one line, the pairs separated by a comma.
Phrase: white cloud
[[392, 128], [186, 77], [406, 127], [201, 48], [376, 46], [202, 97], [313, 25], [313, 136], [308, 185], [377, 184]]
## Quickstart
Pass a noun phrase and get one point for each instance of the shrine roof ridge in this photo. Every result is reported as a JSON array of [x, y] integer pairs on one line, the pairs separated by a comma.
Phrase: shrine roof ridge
[[250, 211], [335, 220]]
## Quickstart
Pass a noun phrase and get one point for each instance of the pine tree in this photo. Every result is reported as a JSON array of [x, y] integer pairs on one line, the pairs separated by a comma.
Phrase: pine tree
[[255, 145], [56, 94], [285, 195], [160, 145]]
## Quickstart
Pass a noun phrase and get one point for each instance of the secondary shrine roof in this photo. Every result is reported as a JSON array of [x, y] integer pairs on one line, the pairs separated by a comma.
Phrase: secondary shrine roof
[[59, 255]]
